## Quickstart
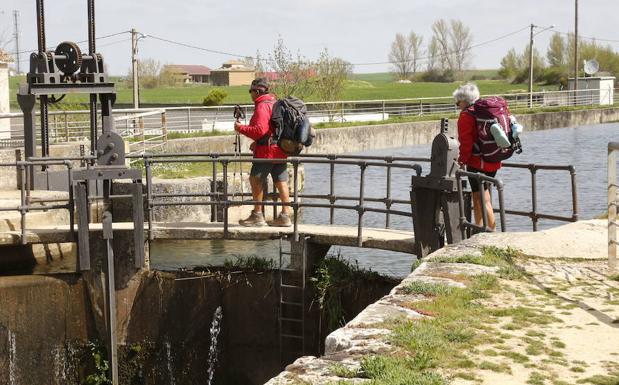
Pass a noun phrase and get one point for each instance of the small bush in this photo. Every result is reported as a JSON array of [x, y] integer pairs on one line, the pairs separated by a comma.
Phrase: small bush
[[446, 76], [215, 97]]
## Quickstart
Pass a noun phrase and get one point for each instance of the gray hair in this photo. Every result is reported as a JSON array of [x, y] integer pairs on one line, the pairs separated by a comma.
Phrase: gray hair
[[468, 93]]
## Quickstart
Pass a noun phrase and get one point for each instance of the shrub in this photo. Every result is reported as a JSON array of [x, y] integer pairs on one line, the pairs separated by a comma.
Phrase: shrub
[[446, 76], [215, 97]]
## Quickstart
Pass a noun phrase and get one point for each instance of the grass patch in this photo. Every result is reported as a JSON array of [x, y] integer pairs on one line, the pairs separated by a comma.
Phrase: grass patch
[[342, 371], [333, 278], [456, 327], [399, 370], [494, 367], [516, 357], [490, 256], [614, 277], [428, 289], [525, 316], [536, 379], [250, 263], [612, 379]]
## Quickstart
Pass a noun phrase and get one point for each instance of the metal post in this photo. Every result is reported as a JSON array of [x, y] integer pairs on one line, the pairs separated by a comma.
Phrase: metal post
[[531, 67], [533, 196], [149, 197], [499, 188], [383, 110], [388, 198], [575, 52], [331, 188], [574, 194], [22, 207], [360, 208], [612, 207], [110, 296], [295, 192], [66, 127], [224, 163]]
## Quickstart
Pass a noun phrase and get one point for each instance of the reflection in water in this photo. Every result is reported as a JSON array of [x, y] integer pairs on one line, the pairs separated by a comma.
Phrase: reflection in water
[[584, 147]]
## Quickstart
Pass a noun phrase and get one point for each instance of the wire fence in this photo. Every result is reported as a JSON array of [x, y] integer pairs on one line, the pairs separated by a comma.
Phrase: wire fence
[[147, 128]]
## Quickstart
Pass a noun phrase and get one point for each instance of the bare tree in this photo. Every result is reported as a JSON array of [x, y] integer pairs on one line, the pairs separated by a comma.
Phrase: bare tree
[[330, 80], [461, 41], [415, 42], [453, 43], [149, 71], [400, 57], [293, 73], [433, 53], [404, 54]]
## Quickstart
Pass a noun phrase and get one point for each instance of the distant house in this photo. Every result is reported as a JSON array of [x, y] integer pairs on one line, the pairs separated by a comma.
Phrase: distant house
[[5, 124], [189, 73], [233, 73]]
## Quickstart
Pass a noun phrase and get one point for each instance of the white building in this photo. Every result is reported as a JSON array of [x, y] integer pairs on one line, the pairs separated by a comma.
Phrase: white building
[[594, 90]]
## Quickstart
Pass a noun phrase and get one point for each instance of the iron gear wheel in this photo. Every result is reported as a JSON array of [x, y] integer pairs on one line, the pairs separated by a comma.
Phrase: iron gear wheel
[[73, 61]]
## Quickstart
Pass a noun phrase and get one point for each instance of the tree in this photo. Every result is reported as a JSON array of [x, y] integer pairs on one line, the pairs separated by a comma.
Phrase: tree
[[510, 65], [404, 54], [148, 73], [331, 76], [293, 73], [515, 67], [556, 51], [330, 80], [452, 42]]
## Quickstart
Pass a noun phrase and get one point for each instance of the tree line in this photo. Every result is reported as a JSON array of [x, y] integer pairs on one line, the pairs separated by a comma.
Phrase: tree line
[[558, 64]]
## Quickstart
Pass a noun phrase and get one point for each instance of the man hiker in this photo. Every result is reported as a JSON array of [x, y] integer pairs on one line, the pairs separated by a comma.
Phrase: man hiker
[[263, 147]]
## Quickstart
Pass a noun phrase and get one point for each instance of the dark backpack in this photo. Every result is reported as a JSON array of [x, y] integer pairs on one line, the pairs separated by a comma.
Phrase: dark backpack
[[487, 112], [291, 128]]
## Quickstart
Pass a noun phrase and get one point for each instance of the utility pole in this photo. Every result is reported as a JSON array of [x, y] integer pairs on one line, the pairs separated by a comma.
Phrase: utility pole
[[16, 37], [531, 68], [134, 68], [576, 52]]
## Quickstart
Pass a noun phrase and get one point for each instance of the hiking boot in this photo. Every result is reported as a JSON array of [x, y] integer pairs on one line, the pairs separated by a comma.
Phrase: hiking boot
[[283, 220], [255, 219]]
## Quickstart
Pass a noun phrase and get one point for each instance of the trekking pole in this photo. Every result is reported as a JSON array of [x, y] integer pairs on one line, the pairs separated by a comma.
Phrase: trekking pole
[[238, 115]]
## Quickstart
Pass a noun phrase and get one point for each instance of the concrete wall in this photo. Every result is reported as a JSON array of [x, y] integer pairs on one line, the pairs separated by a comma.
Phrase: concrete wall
[[5, 124], [164, 327]]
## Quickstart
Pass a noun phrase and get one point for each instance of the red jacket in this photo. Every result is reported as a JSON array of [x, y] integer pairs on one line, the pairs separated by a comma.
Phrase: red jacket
[[467, 135], [259, 126]]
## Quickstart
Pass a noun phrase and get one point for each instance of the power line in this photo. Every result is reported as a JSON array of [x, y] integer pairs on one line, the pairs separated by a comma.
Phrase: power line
[[588, 37], [78, 42], [197, 47]]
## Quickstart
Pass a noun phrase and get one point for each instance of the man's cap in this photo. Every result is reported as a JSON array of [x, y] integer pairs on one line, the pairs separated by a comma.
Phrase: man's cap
[[260, 83]]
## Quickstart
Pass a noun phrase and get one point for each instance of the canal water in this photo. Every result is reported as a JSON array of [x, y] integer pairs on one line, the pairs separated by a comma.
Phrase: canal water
[[585, 147]]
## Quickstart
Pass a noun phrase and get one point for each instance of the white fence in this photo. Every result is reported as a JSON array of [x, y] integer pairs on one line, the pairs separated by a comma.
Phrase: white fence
[[154, 124]]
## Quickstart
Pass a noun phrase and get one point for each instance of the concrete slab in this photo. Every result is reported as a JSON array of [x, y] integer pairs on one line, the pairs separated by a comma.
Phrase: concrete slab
[[385, 239]]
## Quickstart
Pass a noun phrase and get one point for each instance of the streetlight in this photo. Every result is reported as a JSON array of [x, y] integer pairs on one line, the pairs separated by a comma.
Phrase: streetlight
[[533, 26], [135, 37]]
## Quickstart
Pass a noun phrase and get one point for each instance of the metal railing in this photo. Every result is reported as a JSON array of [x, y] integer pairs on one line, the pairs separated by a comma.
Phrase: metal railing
[[360, 203], [483, 181], [153, 124], [613, 203], [28, 204], [226, 199]]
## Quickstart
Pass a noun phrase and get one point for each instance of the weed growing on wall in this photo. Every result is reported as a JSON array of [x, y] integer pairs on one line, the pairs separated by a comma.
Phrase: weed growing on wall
[[99, 358], [335, 275]]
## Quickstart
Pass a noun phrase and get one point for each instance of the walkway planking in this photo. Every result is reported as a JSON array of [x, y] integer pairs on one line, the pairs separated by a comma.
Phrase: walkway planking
[[384, 239]]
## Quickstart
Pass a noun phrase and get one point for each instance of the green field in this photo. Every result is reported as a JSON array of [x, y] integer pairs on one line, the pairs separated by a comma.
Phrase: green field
[[375, 86]]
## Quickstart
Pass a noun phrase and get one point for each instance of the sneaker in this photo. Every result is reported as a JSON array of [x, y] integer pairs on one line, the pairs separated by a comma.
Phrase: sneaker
[[254, 220], [283, 220]]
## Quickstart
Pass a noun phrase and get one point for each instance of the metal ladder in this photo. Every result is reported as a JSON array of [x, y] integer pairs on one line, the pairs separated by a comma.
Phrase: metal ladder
[[291, 313]]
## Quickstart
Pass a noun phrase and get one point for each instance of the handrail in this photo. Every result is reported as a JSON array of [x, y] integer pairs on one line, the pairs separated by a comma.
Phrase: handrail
[[613, 202], [225, 199]]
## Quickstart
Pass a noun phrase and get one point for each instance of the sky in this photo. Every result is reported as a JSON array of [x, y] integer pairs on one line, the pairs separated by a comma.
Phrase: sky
[[359, 31]]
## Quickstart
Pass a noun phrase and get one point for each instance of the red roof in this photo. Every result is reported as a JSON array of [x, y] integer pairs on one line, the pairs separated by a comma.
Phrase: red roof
[[191, 69]]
